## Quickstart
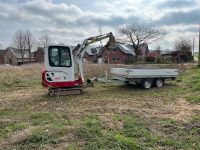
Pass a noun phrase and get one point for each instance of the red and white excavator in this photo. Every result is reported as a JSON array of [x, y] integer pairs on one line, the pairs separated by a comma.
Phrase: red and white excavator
[[63, 72]]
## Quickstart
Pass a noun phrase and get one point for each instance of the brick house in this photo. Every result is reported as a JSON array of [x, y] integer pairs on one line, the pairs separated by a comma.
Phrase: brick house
[[177, 56], [91, 55], [2, 56], [13, 56], [154, 55], [39, 55], [181, 56], [117, 54], [166, 56]]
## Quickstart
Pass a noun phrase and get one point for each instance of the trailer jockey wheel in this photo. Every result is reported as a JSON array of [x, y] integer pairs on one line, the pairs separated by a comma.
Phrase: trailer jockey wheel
[[159, 83], [147, 84]]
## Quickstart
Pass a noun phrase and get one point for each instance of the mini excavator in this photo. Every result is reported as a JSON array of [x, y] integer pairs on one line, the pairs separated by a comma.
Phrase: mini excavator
[[63, 73]]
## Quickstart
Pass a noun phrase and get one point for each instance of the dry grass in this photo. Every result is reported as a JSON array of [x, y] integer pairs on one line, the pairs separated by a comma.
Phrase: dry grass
[[31, 120]]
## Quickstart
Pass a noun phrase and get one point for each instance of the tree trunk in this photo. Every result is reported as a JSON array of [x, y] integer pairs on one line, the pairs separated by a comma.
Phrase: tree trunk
[[145, 56], [22, 59], [136, 58], [30, 56]]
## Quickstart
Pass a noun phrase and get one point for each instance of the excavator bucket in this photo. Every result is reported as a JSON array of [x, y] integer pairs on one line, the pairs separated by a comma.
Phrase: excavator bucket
[[111, 42]]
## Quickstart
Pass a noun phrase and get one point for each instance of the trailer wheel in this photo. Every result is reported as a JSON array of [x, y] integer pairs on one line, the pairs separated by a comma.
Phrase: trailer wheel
[[147, 84], [159, 83]]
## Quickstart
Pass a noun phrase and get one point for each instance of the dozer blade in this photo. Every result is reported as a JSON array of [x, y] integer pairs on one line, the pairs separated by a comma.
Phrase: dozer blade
[[64, 91]]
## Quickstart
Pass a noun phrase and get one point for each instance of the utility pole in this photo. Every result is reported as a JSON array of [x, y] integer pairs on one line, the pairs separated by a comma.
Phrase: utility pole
[[193, 46], [199, 49], [193, 49], [100, 30]]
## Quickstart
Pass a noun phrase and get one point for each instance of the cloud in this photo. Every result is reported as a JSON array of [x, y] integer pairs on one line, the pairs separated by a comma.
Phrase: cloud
[[177, 4], [41, 13], [185, 18], [72, 21]]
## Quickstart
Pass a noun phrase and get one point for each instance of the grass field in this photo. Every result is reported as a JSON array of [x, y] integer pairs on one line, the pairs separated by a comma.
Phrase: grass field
[[107, 116]]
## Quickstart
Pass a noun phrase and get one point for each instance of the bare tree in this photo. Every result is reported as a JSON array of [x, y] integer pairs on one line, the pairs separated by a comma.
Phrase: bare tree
[[19, 41], [137, 36], [29, 43], [183, 44], [45, 40]]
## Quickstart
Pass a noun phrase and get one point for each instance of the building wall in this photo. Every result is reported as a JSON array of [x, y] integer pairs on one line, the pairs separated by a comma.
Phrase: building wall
[[91, 58], [10, 58], [2, 59], [26, 61], [39, 56], [115, 56]]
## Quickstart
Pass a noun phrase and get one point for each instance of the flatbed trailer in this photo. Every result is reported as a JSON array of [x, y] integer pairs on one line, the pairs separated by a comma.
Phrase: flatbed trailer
[[144, 76]]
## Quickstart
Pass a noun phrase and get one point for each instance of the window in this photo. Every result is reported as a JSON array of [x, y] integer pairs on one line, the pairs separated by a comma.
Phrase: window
[[93, 50], [54, 57], [59, 56], [113, 58], [114, 49]]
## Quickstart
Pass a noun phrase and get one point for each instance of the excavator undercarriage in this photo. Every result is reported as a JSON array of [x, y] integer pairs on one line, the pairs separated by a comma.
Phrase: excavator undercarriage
[[65, 91]]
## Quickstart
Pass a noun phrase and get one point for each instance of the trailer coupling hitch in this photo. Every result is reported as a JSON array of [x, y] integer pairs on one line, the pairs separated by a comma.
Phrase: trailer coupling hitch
[[90, 82]]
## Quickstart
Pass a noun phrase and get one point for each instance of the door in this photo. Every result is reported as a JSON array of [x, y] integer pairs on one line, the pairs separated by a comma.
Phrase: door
[[59, 64]]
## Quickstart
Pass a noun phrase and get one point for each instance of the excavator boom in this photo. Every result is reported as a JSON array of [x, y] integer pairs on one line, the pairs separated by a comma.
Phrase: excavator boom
[[80, 53]]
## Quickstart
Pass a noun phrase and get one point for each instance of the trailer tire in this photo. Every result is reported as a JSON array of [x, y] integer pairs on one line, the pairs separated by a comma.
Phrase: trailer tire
[[159, 83], [146, 84]]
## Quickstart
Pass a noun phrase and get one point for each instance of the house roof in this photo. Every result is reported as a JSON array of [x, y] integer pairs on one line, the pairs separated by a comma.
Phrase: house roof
[[127, 49], [165, 52], [92, 50], [89, 50], [17, 52], [39, 50]]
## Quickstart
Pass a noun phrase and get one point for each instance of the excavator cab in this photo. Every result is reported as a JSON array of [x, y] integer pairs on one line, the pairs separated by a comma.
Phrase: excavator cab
[[59, 67]]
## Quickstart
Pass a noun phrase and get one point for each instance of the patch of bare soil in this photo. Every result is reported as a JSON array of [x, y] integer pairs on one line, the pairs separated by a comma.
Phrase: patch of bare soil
[[179, 110], [18, 136], [108, 121], [7, 98], [21, 136]]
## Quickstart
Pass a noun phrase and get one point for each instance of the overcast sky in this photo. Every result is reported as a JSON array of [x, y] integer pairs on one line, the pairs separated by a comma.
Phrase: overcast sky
[[71, 21]]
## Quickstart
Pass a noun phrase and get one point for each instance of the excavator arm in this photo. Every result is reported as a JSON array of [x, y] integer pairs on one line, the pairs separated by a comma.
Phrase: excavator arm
[[92, 40], [80, 53]]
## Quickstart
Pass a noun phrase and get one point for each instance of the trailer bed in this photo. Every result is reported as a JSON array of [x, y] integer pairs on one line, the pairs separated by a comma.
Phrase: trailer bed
[[144, 72]]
